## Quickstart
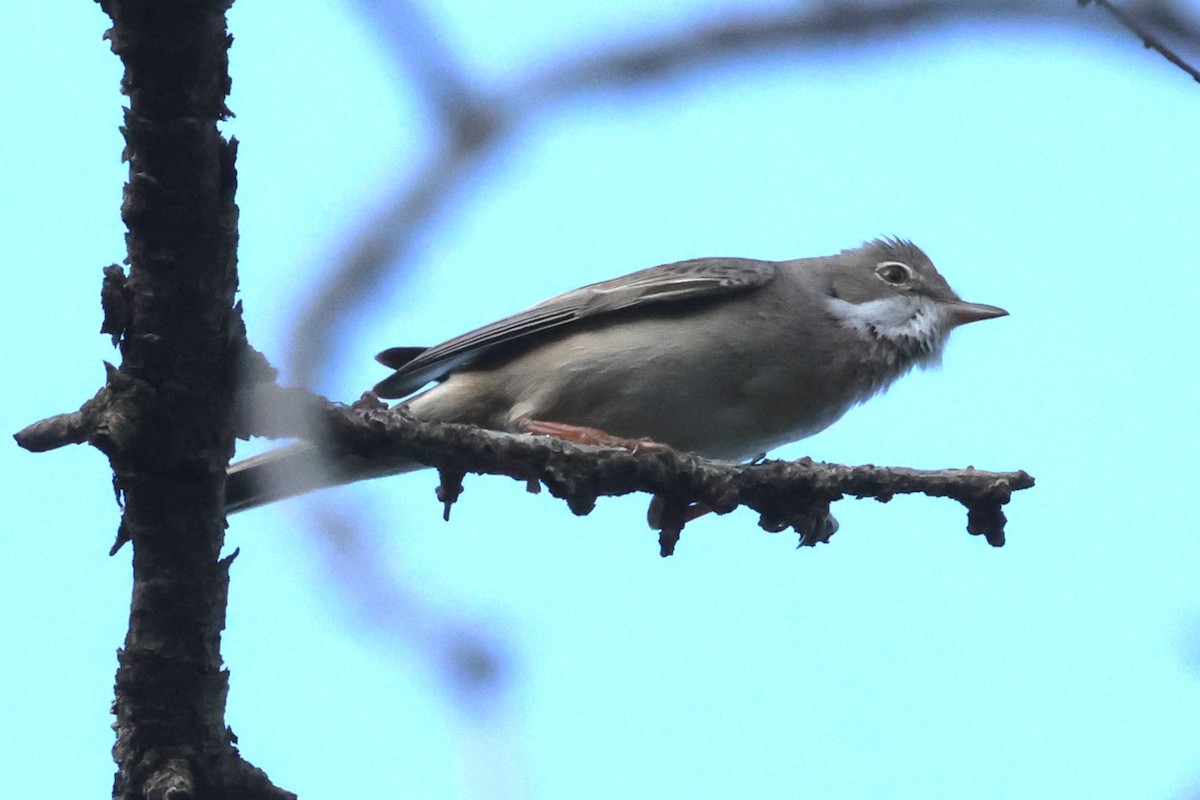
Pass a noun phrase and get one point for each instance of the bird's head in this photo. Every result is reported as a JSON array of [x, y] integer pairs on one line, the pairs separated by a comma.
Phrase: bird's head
[[888, 291]]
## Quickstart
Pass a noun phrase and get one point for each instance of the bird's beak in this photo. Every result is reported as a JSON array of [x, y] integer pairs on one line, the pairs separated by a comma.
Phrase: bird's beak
[[961, 312]]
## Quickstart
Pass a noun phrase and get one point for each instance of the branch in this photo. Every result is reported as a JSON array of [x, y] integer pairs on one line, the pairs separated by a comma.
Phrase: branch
[[384, 245], [73, 427], [785, 494], [1151, 42], [433, 67], [165, 416], [845, 25]]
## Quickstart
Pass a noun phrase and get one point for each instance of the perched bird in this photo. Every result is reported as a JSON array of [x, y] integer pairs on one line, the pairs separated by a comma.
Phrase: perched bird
[[724, 357]]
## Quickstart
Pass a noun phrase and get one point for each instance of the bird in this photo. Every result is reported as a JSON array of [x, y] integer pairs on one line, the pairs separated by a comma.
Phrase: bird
[[726, 358]]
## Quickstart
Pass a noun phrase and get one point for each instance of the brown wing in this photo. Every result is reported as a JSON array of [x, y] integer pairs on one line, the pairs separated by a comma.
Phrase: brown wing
[[683, 280]]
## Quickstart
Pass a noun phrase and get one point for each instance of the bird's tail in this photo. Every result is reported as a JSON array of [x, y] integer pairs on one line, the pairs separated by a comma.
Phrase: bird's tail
[[297, 469]]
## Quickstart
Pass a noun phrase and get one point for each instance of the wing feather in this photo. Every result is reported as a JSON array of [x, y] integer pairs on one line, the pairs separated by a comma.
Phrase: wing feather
[[667, 283]]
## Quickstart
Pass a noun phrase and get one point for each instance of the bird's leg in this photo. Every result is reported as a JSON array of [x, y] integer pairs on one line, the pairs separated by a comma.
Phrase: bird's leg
[[581, 434]]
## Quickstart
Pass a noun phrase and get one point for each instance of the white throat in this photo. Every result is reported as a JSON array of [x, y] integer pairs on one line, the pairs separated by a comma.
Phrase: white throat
[[911, 325]]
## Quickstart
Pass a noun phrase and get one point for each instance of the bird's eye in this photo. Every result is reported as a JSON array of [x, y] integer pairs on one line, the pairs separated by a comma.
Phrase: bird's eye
[[894, 272]]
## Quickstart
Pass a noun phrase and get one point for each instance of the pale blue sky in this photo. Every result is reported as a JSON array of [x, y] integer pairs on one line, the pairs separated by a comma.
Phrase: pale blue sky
[[1054, 176]]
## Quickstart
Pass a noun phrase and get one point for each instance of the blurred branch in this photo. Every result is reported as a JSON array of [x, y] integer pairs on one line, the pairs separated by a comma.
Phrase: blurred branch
[[486, 119], [844, 25], [473, 664], [792, 494], [386, 240], [429, 63], [1151, 42], [472, 122]]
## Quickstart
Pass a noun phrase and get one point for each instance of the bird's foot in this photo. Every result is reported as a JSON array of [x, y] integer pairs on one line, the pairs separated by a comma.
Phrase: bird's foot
[[581, 434]]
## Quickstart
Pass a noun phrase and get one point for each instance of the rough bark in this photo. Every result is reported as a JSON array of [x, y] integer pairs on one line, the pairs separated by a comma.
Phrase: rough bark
[[165, 416]]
